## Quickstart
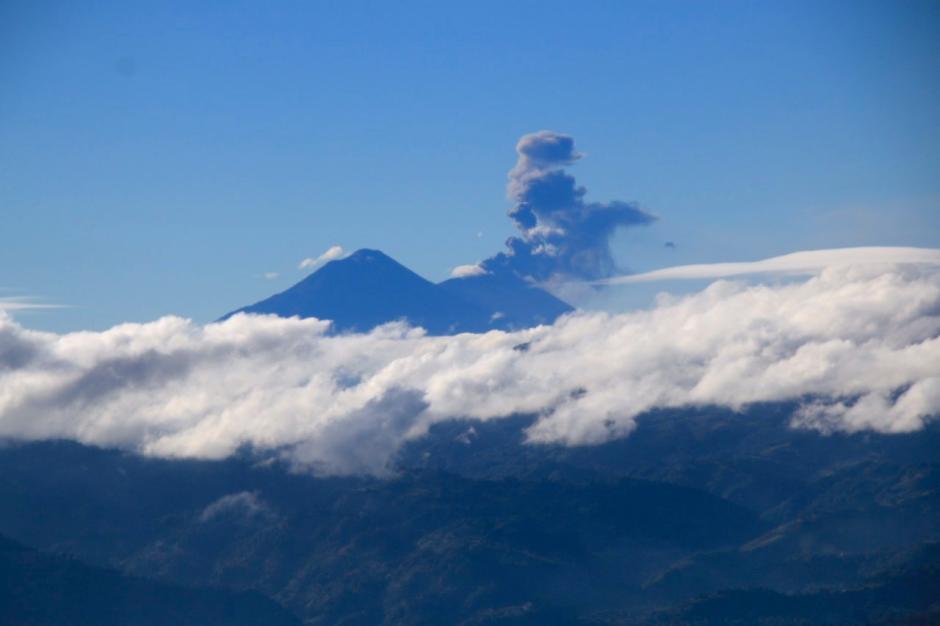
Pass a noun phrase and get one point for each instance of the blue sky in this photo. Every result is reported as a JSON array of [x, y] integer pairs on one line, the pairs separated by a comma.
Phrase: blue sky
[[161, 159]]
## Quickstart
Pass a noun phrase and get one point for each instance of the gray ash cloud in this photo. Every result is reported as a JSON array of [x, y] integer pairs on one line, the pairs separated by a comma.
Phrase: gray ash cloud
[[562, 236]]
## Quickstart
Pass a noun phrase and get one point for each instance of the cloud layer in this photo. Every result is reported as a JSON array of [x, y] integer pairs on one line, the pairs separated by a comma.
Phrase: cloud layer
[[562, 237], [858, 346]]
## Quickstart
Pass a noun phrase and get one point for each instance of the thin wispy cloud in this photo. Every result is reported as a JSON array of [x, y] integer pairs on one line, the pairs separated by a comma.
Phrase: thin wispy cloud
[[333, 253], [26, 303], [798, 263], [857, 347]]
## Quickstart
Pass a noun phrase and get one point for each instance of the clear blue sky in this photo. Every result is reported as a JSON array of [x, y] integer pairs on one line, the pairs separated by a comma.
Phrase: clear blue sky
[[161, 158]]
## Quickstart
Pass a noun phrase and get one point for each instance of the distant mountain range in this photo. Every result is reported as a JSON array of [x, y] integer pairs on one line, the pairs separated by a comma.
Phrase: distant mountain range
[[48, 589], [701, 517], [368, 288]]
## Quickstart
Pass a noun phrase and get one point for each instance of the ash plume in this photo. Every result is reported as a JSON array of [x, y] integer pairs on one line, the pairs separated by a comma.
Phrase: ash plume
[[562, 236]]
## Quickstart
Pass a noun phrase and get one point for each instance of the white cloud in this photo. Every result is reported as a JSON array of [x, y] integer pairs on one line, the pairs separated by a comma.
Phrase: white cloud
[[333, 253], [463, 271], [799, 263], [270, 275], [859, 346]]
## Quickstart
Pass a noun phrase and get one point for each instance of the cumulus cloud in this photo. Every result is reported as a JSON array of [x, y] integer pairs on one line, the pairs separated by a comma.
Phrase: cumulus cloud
[[462, 271], [808, 262], [562, 236], [333, 253], [857, 346]]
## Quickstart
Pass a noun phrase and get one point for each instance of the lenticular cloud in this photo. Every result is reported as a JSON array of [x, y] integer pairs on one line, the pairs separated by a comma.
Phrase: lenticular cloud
[[857, 347]]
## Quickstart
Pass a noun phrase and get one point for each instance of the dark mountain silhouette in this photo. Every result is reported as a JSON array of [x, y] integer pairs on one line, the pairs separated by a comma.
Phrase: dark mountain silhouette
[[423, 548], [369, 288], [39, 589], [702, 516]]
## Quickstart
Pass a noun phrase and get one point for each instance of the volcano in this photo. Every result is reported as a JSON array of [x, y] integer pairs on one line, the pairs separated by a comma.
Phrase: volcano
[[368, 288]]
